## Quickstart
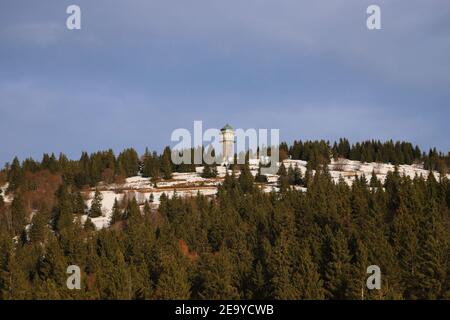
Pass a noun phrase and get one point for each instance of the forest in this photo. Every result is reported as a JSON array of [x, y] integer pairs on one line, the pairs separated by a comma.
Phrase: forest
[[242, 243]]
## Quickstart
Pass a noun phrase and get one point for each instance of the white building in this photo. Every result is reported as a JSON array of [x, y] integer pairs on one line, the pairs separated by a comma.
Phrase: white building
[[227, 143]]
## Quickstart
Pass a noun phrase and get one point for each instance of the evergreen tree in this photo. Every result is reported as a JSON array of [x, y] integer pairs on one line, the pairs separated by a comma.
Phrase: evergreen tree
[[215, 277], [147, 209], [374, 182], [338, 267], [406, 245], [298, 178], [308, 277], [283, 180], [15, 175], [133, 212], [39, 228], [116, 213], [246, 179], [282, 256], [166, 164], [260, 177], [128, 162], [239, 244], [290, 175], [173, 283], [432, 257], [64, 219], [96, 206], [79, 205], [89, 225], [52, 264], [14, 282], [209, 171], [18, 214]]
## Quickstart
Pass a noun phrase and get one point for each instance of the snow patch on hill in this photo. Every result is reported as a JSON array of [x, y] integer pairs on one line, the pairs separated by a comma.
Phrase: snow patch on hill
[[6, 198], [141, 193], [190, 184]]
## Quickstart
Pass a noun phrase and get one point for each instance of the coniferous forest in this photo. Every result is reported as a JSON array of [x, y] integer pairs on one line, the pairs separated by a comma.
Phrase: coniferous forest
[[242, 243]]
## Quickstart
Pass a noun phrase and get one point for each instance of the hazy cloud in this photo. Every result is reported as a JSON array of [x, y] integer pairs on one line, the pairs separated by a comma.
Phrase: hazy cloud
[[139, 69]]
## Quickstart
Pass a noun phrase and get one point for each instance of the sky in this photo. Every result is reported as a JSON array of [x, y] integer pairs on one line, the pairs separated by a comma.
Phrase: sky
[[139, 69]]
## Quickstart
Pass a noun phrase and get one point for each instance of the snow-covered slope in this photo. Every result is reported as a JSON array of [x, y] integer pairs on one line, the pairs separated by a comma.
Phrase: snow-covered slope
[[348, 169], [189, 184]]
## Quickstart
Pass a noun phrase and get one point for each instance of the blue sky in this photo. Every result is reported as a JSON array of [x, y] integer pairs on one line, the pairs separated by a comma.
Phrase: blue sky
[[137, 70]]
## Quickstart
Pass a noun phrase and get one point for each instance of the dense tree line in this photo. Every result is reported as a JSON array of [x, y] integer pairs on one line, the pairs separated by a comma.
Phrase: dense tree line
[[104, 166], [376, 151], [91, 169], [318, 153], [241, 244]]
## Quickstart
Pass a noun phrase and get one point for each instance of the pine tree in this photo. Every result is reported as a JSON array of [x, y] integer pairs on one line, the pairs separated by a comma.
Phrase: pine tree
[[283, 180], [357, 286], [260, 177], [128, 162], [173, 283], [281, 266], [308, 277], [89, 225], [64, 213], [209, 171], [216, 277], [133, 213], [406, 245], [14, 282], [116, 214], [151, 165], [298, 178], [432, 259], [338, 267], [114, 278], [79, 205], [246, 179], [290, 174], [258, 283], [52, 264], [39, 228], [96, 206], [308, 175], [15, 175], [282, 262], [166, 164], [147, 209], [18, 214]]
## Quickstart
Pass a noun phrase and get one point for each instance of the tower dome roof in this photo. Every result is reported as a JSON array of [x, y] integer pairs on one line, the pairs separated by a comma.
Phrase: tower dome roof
[[227, 127]]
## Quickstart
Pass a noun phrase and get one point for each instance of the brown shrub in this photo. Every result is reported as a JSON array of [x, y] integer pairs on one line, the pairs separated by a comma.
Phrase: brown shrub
[[108, 176], [41, 189], [185, 251]]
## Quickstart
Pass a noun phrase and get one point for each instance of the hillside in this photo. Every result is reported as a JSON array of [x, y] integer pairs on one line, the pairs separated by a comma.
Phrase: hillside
[[190, 184]]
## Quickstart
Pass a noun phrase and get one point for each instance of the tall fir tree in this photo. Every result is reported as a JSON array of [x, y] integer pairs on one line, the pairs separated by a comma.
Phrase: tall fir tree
[[283, 180], [116, 215], [96, 206]]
